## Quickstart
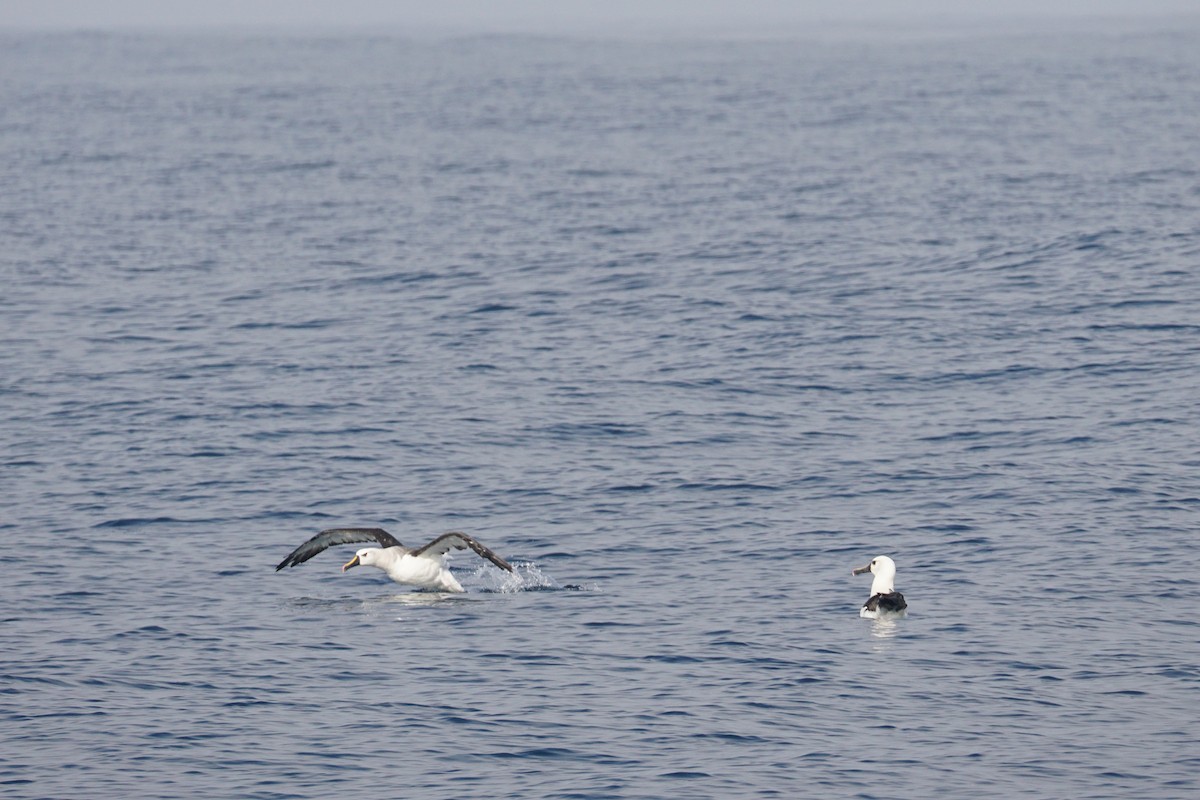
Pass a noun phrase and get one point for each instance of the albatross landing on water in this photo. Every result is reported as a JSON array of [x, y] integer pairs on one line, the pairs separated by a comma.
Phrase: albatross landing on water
[[422, 566], [885, 601]]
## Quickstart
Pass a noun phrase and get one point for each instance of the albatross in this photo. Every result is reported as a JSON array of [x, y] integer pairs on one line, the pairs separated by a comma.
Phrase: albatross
[[422, 566], [884, 599]]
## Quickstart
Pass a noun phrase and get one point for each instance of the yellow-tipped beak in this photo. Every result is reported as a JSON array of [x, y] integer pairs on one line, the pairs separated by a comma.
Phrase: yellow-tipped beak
[[351, 563]]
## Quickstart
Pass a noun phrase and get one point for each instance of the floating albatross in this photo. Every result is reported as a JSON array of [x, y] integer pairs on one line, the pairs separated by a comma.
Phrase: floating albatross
[[422, 566], [884, 599]]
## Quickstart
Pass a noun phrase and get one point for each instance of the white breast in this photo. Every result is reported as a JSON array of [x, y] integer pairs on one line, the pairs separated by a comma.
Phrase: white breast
[[428, 573]]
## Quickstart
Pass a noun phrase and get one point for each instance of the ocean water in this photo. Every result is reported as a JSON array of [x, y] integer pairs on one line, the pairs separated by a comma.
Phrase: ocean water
[[686, 329]]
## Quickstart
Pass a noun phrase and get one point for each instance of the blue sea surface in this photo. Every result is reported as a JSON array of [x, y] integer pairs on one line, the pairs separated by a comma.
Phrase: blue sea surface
[[685, 329]]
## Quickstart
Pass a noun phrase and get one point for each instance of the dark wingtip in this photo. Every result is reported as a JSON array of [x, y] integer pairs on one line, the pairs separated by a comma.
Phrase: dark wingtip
[[499, 562], [490, 555]]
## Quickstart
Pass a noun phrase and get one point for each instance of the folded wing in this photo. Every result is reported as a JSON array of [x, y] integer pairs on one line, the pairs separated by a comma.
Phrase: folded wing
[[460, 541], [335, 536], [893, 601]]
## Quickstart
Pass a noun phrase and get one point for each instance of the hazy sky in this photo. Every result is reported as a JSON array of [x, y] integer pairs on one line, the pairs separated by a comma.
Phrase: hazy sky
[[546, 15]]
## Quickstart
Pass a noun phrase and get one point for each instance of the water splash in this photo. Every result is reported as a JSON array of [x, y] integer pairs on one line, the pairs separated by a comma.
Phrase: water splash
[[526, 577]]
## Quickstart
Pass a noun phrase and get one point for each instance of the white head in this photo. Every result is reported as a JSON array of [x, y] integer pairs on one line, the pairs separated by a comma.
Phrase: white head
[[367, 557], [884, 570]]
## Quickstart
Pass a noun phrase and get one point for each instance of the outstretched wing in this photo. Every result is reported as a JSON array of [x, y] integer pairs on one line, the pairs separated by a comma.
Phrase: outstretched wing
[[460, 541], [335, 536]]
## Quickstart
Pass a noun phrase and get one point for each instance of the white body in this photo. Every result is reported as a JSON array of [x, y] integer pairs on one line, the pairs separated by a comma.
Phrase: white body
[[427, 570]]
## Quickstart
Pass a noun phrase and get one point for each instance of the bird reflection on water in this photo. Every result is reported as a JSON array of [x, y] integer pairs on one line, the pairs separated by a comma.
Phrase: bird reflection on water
[[885, 628]]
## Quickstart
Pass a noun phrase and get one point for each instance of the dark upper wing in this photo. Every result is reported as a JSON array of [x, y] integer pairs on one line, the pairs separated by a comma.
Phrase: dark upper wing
[[892, 601], [460, 541], [336, 536]]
